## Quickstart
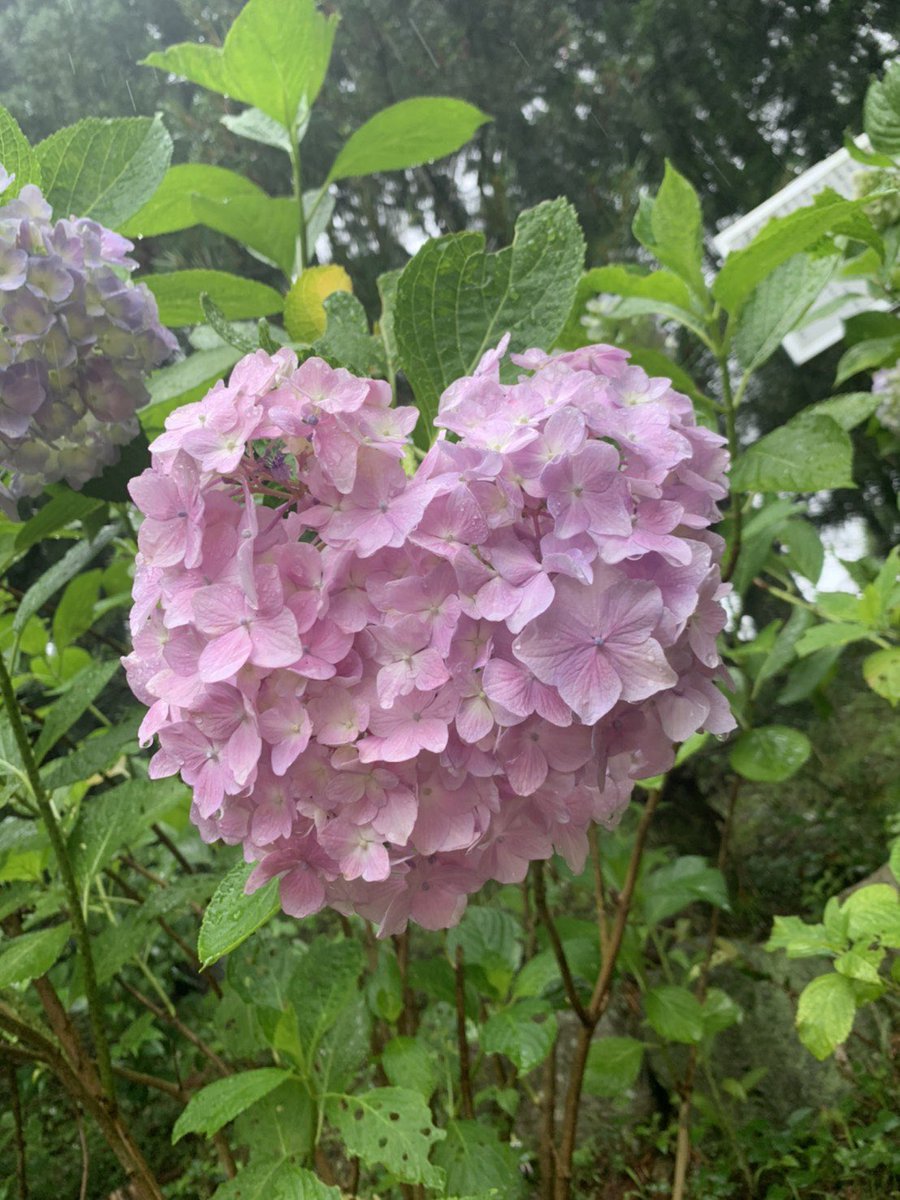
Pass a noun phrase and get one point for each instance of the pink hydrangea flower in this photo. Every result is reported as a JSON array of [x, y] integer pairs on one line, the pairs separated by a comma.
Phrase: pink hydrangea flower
[[391, 688]]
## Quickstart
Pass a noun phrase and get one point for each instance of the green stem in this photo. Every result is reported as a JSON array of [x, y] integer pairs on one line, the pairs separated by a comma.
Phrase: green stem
[[731, 401], [76, 913], [297, 176]]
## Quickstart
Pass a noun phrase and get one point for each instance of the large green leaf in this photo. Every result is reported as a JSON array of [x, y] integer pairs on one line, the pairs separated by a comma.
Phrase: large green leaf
[[674, 1013], [178, 296], [275, 56], [770, 754], [31, 955], [454, 301], [60, 573], [799, 940], [881, 112], [16, 156], [220, 1102], [323, 984], [62, 510], [407, 134], [865, 355], [265, 224], [613, 1065], [391, 1127], [671, 888], [782, 238], [258, 126], [275, 1180], [849, 409], [171, 208], [676, 227], [410, 1062], [809, 454], [104, 169], [825, 1013], [776, 305], [515, 1032], [84, 690], [477, 1162], [231, 915]]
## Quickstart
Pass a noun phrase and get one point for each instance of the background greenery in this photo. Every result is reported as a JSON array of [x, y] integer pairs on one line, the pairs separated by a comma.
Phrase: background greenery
[[587, 101]]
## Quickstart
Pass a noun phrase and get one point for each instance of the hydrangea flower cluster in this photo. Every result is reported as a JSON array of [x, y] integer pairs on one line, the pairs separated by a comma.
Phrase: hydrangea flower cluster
[[392, 687], [76, 339]]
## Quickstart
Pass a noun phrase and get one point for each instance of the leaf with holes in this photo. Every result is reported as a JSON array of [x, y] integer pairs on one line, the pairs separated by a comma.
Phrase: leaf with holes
[[392, 1127], [477, 1163]]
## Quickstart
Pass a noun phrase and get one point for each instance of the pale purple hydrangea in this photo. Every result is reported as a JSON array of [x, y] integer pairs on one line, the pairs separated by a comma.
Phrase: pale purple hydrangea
[[392, 688], [76, 341]]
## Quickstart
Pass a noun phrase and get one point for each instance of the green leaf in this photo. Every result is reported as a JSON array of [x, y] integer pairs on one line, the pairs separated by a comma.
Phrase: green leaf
[[866, 355], [31, 955], [17, 156], [860, 964], [275, 56], [96, 754], [281, 1125], [407, 134], [178, 296], [782, 238], [258, 126], [491, 940], [478, 1163], [674, 1013], [264, 224], [613, 1065], [809, 454], [347, 339], [117, 818], [770, 754], [799, 940], [671, 888], [776, 305], [324, 983], [384, 987], [454, 301], [784, 647], [513, 1031], [171, 207], [231, 915], [410, 1062], [86, 687], [881, 672], [825, 1013], [60, 573], [835, 633], [391, 1127], [220, 1102], [104, 169], [881, 112], [873, 913], [75, 611], [894, 861], [275, 1180], [665, 286], [59, 512], [676, 225], [805, 551], [720, 1011]]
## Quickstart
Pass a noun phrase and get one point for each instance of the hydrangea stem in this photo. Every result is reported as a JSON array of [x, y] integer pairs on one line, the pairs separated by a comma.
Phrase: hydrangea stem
[[297, 176], [76, 913]]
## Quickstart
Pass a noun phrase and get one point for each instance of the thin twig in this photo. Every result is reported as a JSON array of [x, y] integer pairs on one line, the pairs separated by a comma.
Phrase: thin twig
[[186, 1032], [466, 1103], [85, 1157], [599, 892], [164, 840], [548, 1127], [598, 1003], [540, 903], [152, 1081]]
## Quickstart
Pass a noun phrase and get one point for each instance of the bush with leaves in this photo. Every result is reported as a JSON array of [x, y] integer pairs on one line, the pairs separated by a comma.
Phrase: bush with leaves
[[314, 1059]]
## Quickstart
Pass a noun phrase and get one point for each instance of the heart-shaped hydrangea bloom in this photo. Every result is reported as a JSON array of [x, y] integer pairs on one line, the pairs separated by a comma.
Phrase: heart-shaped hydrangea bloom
[[76, 342], [393, 687]]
